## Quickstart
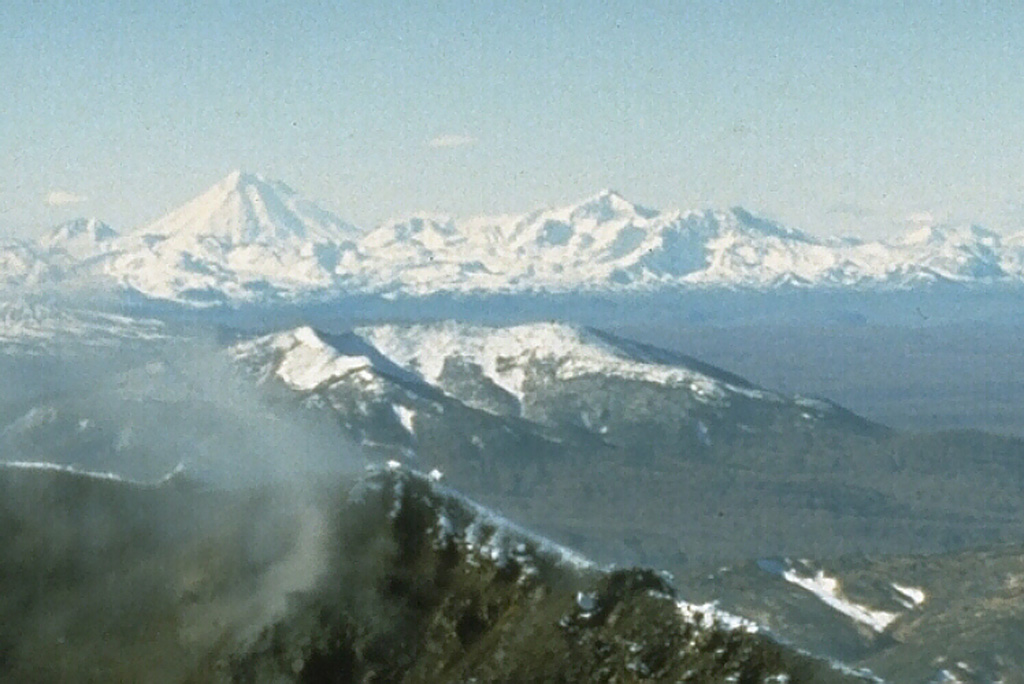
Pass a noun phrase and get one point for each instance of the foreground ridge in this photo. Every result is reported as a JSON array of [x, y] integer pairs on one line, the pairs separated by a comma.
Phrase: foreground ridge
[[411, 583]]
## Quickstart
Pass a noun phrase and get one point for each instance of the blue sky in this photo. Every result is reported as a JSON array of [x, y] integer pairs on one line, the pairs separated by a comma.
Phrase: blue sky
[[859, 117]]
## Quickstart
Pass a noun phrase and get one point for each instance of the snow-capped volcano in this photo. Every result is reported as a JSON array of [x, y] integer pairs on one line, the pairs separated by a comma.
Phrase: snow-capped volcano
[[246, 209], [601, 229], [245, 238]]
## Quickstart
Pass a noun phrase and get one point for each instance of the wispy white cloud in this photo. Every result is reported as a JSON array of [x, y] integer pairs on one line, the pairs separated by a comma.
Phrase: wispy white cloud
[[58, 198], [451, 140]]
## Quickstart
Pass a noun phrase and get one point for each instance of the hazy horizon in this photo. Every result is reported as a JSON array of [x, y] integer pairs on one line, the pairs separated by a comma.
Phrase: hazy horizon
[[861, 120]]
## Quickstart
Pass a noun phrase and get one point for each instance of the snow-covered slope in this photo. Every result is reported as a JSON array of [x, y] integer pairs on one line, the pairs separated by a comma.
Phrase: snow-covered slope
[[509, 356], [302, 359], [513, 359], [250, 239], [606, 243], [574, 378], [555, 376]]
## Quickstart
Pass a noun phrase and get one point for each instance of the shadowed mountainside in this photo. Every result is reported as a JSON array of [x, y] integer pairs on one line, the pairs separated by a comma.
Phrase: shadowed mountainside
[[386, 578]]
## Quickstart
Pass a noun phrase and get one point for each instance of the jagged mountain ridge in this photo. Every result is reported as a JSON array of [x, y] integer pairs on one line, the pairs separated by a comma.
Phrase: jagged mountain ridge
[[250, 239], [592, 434], [539, 372], [383, 577]]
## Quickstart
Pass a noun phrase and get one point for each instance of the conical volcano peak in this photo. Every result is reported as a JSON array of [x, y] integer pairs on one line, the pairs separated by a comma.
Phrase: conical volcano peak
[[237, 178], [247, 208], [240, 180]]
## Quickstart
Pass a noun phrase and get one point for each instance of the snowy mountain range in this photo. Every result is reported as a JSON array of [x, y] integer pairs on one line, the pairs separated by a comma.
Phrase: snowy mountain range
[[553, 376], [252, 240]]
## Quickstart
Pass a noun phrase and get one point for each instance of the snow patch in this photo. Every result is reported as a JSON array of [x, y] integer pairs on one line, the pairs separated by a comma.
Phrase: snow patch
[[305, 361], [914, 595], [405, 416], [710, 616], [827, 589]]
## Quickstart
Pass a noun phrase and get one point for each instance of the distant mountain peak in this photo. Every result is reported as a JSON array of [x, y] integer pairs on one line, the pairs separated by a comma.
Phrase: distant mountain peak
[[79, 239], [247, 208], [609, 195], [240, 180], [607, 205], [239, 176], [767, 227], [85, 228], [941, 233]]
